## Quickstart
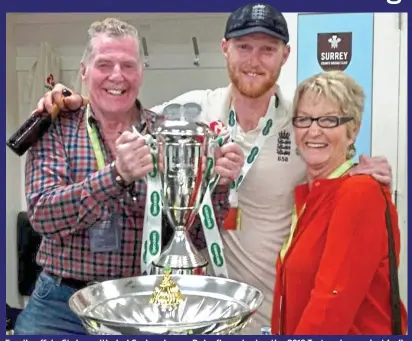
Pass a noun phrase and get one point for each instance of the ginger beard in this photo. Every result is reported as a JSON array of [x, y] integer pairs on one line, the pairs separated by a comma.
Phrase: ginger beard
[[252, 86]]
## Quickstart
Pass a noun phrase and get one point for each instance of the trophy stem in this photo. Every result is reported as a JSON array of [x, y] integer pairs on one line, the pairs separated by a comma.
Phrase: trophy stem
[[181, 256]]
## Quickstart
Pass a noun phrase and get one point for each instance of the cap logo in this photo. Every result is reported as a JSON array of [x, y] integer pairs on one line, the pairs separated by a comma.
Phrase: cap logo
[[258, 12]]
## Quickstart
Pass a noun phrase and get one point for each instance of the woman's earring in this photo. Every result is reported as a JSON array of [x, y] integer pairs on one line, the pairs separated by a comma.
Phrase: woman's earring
[[351, 152]]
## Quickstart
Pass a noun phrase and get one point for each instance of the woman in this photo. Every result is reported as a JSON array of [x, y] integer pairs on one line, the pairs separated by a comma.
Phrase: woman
[[333, 272]]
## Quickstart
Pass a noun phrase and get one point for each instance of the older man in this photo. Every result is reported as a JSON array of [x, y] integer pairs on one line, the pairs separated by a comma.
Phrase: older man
[[254, 109], [85, 183]]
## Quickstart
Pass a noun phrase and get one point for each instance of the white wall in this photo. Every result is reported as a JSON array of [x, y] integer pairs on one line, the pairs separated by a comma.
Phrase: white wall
[[172, 72]]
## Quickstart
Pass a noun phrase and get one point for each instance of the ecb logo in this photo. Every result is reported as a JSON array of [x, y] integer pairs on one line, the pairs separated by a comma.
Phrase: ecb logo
[[393, 2]]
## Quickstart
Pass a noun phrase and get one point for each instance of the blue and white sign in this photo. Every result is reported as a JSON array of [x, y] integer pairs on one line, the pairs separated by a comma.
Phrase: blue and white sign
[[342, 41]]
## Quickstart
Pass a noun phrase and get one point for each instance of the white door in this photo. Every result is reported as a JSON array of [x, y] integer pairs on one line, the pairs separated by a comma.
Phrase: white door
[[389, 114]]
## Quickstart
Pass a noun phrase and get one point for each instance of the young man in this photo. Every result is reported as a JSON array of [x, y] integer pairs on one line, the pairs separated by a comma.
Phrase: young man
[[85, 183], [256, 47]]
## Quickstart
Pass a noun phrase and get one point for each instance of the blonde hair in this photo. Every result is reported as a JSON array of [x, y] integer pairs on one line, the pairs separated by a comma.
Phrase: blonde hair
[[340, 88], [110, 27]]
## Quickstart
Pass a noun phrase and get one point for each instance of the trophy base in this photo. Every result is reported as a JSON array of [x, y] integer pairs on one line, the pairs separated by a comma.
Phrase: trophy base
[[181, 257], [212, 306]]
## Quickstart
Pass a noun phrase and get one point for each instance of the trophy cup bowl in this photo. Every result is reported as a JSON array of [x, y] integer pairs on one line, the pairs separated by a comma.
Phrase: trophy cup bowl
[[207, 305], [185, 150]]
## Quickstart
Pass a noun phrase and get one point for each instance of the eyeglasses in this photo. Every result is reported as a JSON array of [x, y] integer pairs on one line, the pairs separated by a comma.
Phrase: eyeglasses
[[322, 121]]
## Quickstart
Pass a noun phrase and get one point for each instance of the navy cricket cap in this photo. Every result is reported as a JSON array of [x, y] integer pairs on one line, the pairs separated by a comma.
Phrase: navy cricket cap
[[257, 18]]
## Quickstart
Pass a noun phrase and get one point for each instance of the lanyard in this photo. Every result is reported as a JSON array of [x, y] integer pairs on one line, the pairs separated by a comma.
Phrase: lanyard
[[94, 140], [338, 172], [254, 152]]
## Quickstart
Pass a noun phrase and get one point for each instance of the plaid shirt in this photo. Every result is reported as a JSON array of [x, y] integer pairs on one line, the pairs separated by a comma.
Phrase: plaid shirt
[[66, 194]]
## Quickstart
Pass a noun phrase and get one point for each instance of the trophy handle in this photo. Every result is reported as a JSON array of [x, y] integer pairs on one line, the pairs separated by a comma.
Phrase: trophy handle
[[154, 147]]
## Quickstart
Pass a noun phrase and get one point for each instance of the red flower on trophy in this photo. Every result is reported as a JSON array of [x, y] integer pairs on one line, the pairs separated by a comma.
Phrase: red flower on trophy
[[217, 127], [50, 83]]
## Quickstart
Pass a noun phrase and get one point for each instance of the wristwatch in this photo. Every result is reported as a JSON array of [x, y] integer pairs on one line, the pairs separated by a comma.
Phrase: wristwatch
[[118, 178]]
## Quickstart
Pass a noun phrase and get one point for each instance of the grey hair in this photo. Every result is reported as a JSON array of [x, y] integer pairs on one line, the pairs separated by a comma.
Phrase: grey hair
[[110, 27]]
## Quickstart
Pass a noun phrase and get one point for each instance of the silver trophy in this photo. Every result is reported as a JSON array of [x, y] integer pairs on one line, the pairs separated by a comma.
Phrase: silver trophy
[[183, 149], [185, 162]]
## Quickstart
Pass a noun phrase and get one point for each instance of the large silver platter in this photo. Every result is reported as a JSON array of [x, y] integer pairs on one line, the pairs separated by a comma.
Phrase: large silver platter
[[212, 305]]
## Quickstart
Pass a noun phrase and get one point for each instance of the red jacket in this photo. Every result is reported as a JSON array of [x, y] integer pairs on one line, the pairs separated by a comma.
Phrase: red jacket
[[334, 279]]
